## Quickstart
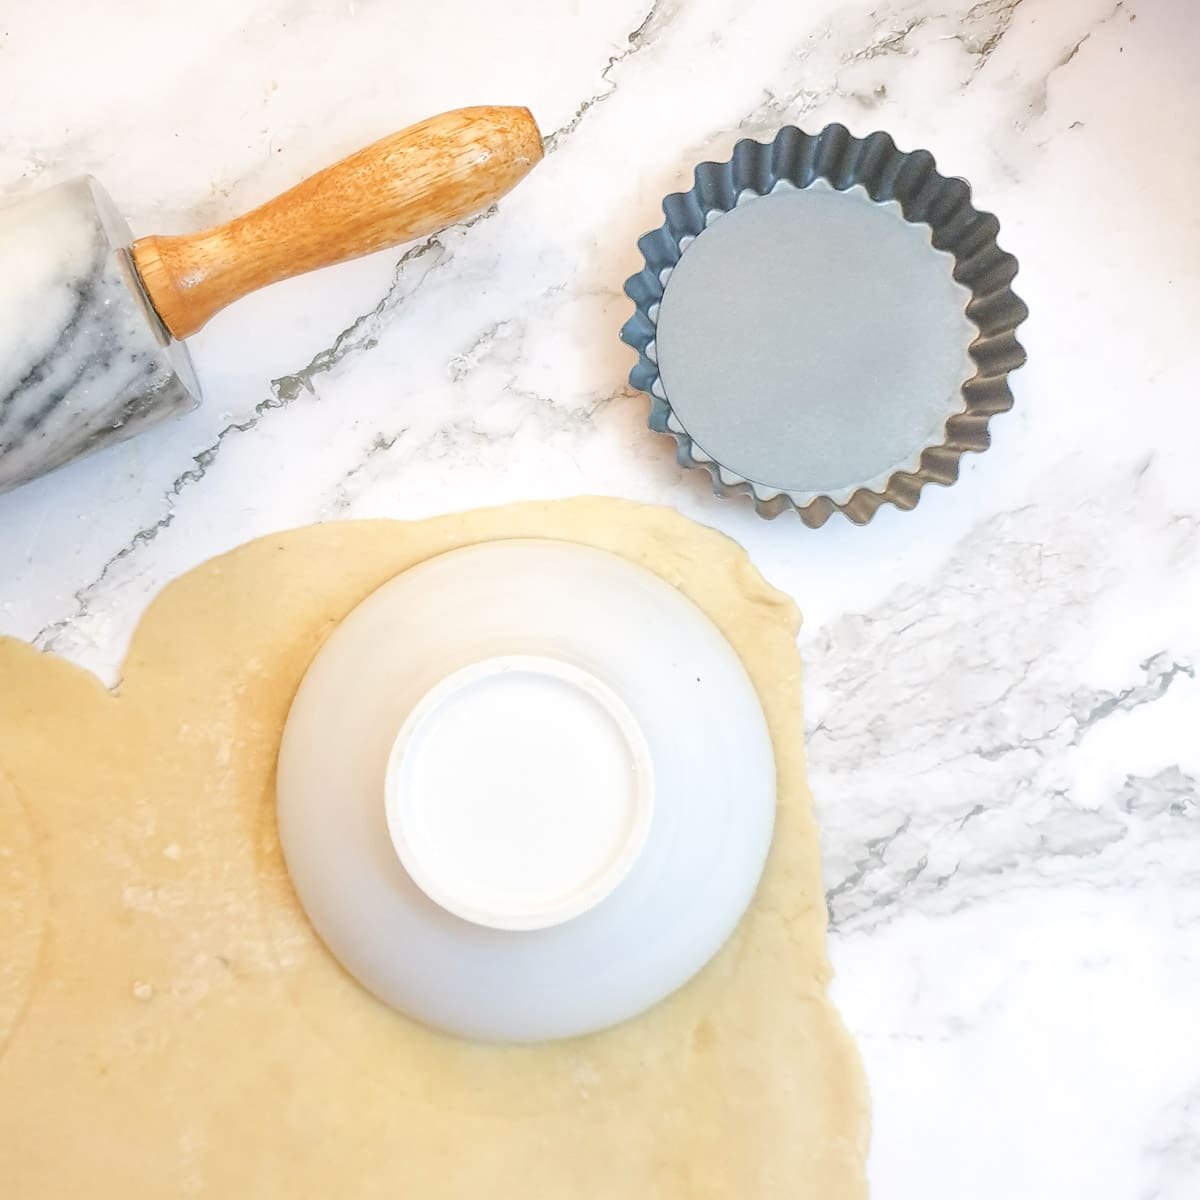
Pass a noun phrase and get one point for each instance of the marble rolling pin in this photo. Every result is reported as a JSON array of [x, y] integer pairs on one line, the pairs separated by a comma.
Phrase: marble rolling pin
[[91, 326]]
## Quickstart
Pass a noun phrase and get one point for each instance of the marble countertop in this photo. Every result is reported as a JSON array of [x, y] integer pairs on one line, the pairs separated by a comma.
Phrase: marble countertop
[[1002, 696]]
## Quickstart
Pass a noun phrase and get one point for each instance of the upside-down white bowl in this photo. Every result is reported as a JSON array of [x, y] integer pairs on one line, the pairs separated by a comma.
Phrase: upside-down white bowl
[[525, 790]]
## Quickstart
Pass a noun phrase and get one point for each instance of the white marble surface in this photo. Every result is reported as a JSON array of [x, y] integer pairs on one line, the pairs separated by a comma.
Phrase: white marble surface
[[1004, 713]]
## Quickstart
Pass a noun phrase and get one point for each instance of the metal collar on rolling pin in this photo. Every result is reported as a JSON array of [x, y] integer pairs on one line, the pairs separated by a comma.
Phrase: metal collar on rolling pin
[[91, 322]]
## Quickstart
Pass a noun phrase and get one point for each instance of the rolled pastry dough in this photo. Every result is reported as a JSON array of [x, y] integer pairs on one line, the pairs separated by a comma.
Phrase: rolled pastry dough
[[171, 1026]]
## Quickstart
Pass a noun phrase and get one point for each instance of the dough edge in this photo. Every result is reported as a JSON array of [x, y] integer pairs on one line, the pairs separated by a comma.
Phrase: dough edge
[[695, 1098]]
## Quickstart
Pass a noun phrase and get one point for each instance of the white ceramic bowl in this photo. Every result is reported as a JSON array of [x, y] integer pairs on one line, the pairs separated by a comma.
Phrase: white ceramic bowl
[[525, 790]]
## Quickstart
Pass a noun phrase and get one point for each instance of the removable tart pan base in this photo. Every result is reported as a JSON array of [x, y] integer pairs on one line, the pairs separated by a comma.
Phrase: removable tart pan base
[[824, 323]]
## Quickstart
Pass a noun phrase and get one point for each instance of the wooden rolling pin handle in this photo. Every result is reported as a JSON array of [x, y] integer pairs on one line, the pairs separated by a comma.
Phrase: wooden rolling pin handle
[[409, 184]]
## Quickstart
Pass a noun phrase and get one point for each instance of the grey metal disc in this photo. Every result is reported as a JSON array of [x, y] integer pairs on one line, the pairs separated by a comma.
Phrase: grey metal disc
[[813, 340]]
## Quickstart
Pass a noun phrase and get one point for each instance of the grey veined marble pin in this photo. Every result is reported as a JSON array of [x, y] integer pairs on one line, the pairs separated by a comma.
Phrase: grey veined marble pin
[[825, 324], [83, 360], [89, 324]]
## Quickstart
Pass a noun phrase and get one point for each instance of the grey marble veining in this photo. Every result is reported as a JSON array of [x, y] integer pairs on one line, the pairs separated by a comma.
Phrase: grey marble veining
[[1002, 687], [80, 364], [968, 753]]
